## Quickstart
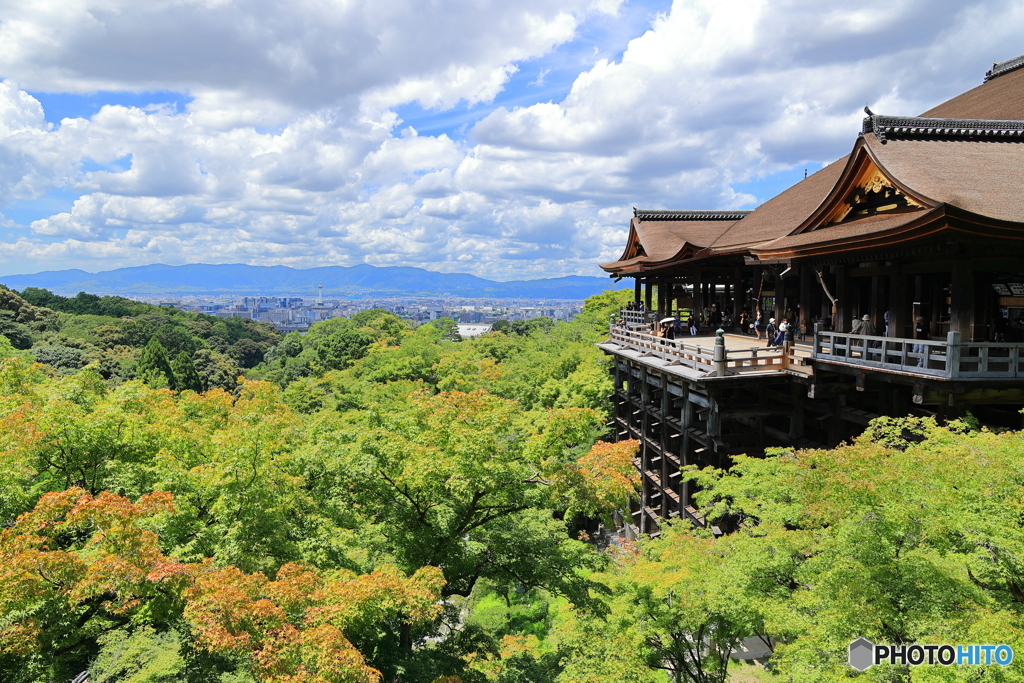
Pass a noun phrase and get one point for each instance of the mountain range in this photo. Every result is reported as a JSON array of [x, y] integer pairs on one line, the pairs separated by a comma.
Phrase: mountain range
[[347, 281]]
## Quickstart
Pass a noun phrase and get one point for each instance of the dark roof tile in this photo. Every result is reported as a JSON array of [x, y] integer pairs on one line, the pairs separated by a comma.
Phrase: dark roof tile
[[908, 127], [1000, 68], [659, 215]]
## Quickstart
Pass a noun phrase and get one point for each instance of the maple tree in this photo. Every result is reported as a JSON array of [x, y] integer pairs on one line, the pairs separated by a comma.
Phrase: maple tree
[[73, 568], [78, 566]]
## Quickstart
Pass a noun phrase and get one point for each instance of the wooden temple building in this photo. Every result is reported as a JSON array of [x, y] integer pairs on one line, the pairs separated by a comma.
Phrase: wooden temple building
[[920, 229]]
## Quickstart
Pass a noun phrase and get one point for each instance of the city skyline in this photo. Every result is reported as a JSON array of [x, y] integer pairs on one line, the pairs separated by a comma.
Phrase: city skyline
[[507, 140]]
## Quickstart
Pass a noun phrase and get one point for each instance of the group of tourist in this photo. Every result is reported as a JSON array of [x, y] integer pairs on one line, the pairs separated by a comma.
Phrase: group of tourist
[[776, 334], [764, 328]]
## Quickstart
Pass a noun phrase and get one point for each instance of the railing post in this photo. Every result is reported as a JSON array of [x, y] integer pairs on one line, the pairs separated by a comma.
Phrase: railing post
[[719, 356], [952, 354]]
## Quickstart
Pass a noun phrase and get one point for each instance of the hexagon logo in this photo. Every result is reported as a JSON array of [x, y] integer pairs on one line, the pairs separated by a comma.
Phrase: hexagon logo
[[862, 654]]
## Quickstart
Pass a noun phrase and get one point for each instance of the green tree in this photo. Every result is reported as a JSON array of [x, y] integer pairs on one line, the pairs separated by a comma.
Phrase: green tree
[[459, 480], [218, 370], [60, 357], [175, 339], [904, 536], [448, 327], [186, 376], [527, 327], [109, 336], [246, 352], [18, 334], [338, 350], [154, 368]]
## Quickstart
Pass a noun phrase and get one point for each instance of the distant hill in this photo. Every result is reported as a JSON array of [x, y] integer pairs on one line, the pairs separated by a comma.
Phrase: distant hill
[[361, 280]]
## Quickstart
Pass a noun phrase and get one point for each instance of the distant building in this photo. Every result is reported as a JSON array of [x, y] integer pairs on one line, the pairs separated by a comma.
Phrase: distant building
[[468, 331], [235, 313]]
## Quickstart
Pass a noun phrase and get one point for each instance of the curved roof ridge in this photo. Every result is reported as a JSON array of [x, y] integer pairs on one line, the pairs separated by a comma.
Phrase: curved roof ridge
[[921, 127], [668, 215], [1000, 68]]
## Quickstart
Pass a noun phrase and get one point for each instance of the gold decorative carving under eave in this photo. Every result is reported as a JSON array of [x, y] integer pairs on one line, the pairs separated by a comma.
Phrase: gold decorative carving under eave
[[873, 194]]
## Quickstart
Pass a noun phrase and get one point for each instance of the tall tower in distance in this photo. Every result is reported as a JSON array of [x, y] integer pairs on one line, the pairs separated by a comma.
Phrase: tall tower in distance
[[320, 294]]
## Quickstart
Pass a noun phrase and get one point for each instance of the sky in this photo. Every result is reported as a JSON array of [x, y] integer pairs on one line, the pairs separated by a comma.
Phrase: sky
[[505, 139]]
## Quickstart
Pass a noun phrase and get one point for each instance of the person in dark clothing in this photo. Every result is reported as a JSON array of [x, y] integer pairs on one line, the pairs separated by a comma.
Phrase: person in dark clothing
[[781, 336], [771, 331], [716, 317]]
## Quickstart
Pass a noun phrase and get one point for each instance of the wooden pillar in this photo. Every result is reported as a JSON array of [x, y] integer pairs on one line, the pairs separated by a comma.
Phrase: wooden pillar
[[738, 296], [961, 309], [899, 307], [780, 299], [665, 439], [636, 289], [645, 455], [648, 293], [843, 308], [804, 305], [796, 418], [714, 423], [878, 305], [685, 419], [698, 291], [621, 405], [938, 304]]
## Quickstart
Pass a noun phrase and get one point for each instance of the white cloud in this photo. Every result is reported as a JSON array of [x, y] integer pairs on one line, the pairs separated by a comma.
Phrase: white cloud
[[291, 150]]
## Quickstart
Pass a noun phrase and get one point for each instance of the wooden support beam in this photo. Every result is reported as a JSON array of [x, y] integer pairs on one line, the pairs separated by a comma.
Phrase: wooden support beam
[[983, 396]]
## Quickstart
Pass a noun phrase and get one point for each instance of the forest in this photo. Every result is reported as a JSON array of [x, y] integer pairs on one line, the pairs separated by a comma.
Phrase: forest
[[185, 498]]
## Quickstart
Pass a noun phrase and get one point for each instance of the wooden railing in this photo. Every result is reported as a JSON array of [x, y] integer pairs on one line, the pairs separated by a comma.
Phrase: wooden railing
[[952, 358], [917, 356], [696, 357], [635, 318]]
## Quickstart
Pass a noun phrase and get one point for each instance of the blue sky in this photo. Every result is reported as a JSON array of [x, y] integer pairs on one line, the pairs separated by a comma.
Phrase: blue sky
[[141, 133]]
